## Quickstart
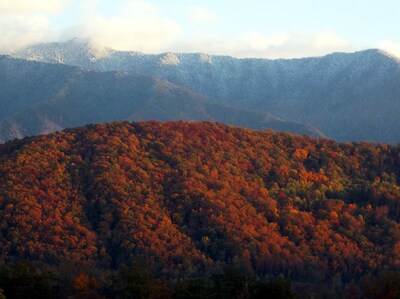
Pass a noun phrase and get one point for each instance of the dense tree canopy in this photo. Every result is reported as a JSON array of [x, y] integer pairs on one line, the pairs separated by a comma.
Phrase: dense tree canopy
[[190, 198]]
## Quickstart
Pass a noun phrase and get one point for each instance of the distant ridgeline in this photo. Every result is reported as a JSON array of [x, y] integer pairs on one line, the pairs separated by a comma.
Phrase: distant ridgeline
[[347, 96], [190, 199], [38, 98]]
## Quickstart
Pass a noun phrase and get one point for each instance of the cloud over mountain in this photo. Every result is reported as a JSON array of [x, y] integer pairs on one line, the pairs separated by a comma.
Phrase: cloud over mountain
[[154, 27]]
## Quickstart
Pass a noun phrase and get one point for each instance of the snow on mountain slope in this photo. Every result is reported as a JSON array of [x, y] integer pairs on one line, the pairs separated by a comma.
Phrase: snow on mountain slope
[[349, 96], [38, 97]]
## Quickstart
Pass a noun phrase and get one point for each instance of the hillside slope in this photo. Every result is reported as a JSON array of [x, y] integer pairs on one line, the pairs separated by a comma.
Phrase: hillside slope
[[190, 197]]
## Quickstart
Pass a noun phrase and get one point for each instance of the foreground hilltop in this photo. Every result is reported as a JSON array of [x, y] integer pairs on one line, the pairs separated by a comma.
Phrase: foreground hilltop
[[192, 197]]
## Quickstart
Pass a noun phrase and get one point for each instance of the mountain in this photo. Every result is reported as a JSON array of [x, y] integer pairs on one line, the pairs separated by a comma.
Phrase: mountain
[[348, 96], [40, 97], [191, 197]]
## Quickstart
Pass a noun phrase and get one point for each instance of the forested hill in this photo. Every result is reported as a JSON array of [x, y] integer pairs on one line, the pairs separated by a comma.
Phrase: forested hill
[[192, 197]]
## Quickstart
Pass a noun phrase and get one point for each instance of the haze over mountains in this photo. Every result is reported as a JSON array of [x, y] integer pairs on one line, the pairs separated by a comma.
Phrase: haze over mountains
[[348, 96]]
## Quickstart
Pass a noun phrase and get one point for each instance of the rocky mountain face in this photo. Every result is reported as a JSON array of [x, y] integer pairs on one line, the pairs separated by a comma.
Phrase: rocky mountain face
[[39, 98], [348, 96]]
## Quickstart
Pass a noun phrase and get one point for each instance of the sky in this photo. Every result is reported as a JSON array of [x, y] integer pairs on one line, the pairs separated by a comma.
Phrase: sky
[[240, 28]]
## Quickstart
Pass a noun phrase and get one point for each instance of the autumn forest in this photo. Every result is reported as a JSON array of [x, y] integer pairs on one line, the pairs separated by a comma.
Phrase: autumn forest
[[189, 210]]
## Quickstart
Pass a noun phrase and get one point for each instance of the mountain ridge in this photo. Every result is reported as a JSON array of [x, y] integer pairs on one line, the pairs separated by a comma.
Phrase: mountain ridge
[[39, 98], [88, 45], [348, 96]]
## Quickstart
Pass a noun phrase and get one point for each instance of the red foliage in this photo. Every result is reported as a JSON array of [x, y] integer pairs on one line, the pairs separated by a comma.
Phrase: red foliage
[[189, 196]]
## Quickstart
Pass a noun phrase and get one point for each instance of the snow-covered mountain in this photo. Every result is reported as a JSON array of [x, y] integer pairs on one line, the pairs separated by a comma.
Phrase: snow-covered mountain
[[349, 96], [38, 97]]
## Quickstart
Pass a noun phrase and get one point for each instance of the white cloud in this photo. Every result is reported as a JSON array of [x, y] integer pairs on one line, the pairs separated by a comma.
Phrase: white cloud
[[147, 35], [201, 15], [329, 40], [31, 6], [140, 25], [391, 47], [17, 31], [274, 46], [300, 45], [137, 25], [23, 22]]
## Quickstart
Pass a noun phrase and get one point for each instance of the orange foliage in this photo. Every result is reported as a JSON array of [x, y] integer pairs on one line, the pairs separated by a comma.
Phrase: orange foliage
[[190, 196]]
